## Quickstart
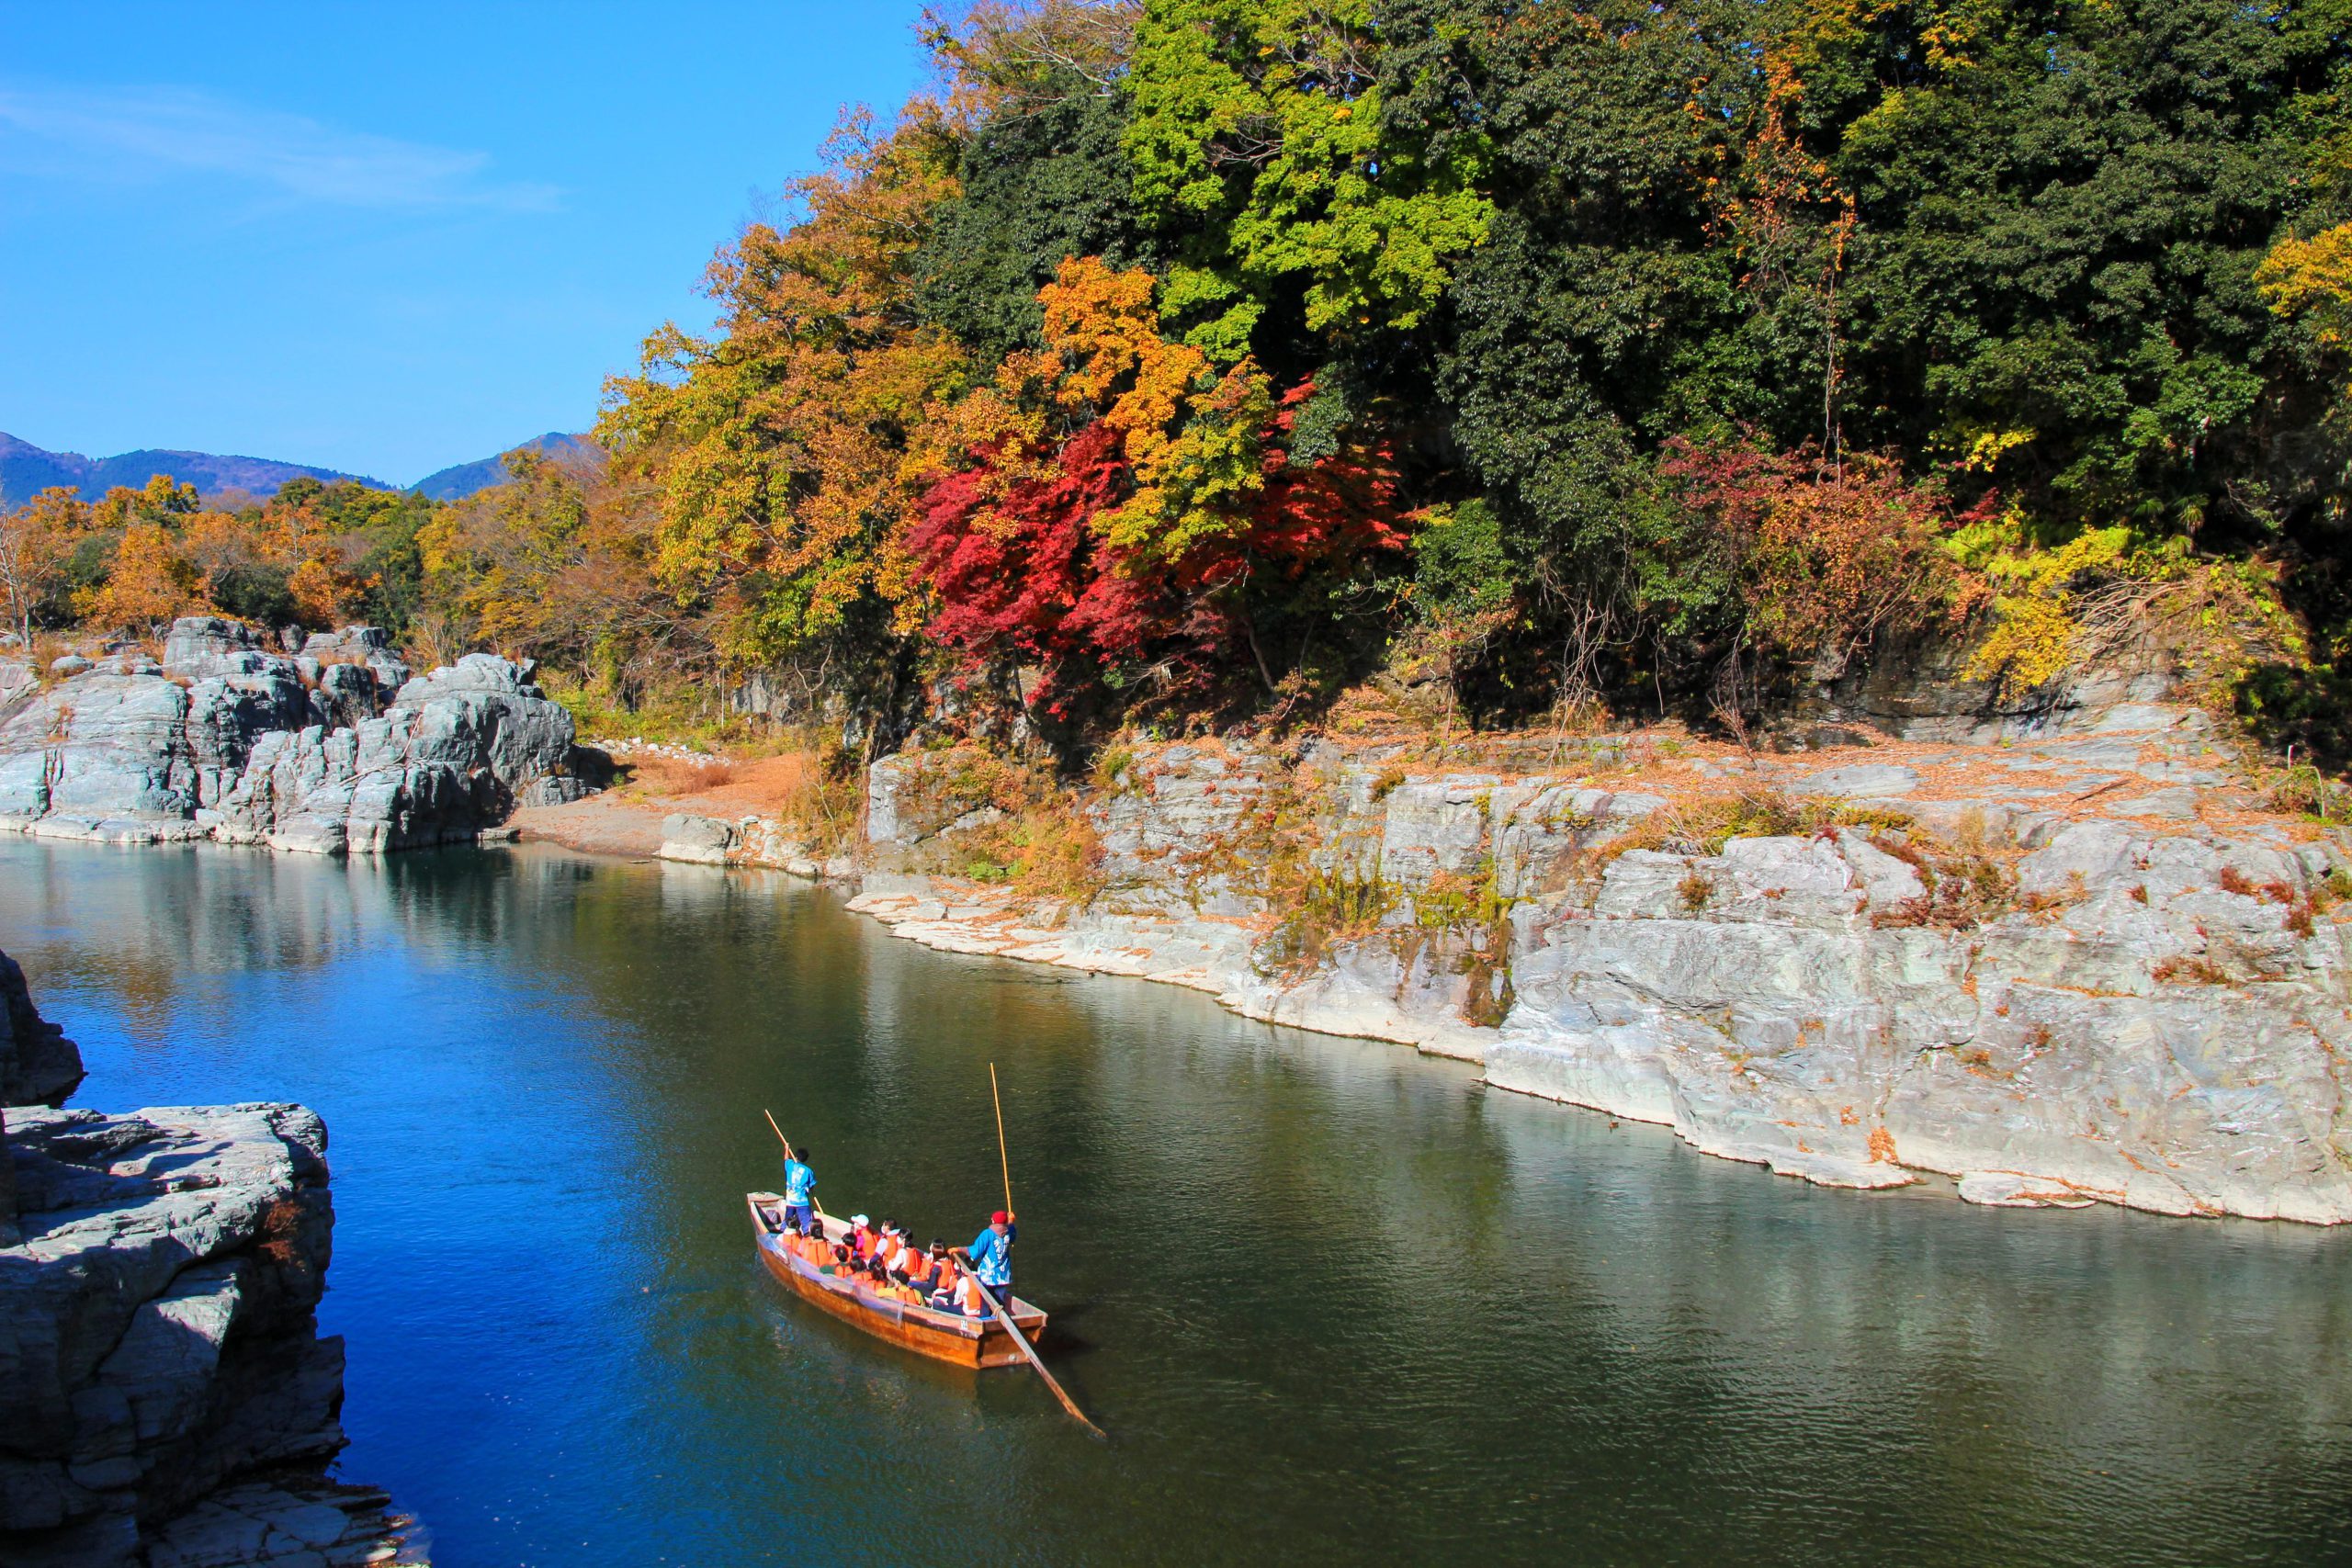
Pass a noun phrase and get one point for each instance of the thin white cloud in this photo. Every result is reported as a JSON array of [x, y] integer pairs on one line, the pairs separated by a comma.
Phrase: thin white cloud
[[146, 130]]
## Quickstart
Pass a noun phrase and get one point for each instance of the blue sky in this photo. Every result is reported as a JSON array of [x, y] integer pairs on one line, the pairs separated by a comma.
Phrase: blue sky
[[385, 237]]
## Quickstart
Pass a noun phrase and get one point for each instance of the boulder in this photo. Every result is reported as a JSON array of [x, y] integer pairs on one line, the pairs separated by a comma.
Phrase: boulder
[[131, 751], [489, 705], [156, 1328], [160, 1372], [37, 1063], [697, 841]]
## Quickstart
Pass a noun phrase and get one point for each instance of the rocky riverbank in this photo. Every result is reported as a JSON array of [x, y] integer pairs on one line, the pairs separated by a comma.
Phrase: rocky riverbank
[[2064, 957], [166, 1399], [340, 748], [2066, 968]]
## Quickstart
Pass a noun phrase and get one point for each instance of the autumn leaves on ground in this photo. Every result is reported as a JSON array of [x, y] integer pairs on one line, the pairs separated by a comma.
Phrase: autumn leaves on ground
[[1190, 365]]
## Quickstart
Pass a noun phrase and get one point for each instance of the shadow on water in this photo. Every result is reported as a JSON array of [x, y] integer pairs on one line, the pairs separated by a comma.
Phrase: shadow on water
[[1335, 1301]]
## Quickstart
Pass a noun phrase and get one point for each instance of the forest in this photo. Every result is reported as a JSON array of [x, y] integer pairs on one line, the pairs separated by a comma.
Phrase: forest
[[1188, 363]]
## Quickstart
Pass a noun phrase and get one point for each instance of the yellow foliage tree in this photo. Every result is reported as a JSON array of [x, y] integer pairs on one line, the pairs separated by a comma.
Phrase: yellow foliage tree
[[2312, 279], [148, 583], [788, 450], [2057, 609], [35, 540]]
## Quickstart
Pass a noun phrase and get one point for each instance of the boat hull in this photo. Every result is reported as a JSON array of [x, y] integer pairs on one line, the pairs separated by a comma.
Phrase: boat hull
[[942, 1336]]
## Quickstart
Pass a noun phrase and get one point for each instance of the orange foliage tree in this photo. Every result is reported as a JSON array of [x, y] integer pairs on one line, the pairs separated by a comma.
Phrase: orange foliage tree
[[556, 563]]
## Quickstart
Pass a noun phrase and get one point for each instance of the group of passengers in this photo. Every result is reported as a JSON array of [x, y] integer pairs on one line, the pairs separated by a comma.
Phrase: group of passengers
[[884, 1259]]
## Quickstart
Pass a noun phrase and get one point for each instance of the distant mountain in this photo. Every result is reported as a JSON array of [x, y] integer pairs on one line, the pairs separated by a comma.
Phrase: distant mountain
[[26, 468], [457, 483]]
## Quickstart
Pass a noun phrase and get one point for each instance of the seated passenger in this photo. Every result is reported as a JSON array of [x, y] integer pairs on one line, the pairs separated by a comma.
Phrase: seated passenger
[[814, 1246], [879, 1280], [943, 1284], [921, 1267], [861, 1236], [844, 1261], [891, 1246]]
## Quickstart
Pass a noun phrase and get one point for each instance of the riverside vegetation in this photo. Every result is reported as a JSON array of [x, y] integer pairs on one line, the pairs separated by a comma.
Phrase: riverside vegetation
[[1185, 362], [1351, 506]]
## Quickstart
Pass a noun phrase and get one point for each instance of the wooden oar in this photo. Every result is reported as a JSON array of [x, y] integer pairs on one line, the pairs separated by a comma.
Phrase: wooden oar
[[1029, 1350]]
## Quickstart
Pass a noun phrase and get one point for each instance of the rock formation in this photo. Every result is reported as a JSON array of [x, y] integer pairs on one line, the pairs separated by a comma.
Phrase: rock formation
[[165, 1396], [338, 750]]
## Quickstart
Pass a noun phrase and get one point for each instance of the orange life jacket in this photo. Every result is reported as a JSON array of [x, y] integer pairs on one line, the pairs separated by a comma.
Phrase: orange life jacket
[[968, 1296], [919, 1267], [861, 1242]]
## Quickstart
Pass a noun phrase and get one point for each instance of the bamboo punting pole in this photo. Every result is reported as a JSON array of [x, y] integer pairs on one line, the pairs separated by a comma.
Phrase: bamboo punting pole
[[1003, 1159]]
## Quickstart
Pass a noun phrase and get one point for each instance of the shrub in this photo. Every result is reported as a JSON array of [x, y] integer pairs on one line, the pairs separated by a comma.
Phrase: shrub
[[1331, 906], [1704, 827], [1965, 888], [2191, 971], [1828, 555], [678, 775], [2299, 789]]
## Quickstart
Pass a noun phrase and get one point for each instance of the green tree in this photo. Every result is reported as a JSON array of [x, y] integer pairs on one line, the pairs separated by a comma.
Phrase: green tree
[[1258, 136]]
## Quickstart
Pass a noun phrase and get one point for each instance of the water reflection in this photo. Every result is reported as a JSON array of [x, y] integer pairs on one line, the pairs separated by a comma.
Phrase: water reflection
[[1336, 1301]]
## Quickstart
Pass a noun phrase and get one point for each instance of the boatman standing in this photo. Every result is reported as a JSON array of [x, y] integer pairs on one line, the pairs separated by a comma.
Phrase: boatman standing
[[991, 1255], [799, 1182]]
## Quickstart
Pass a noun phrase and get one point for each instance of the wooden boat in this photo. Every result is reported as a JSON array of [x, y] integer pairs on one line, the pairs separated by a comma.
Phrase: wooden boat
[[942, 1335]]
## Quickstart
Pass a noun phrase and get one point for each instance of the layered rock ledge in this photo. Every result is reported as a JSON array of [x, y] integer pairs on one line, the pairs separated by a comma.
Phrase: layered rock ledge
[[165, 1396], [338, 750], [2082, 967]]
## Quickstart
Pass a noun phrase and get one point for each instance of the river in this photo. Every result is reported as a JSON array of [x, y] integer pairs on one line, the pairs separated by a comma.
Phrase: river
[[1334, 1300]]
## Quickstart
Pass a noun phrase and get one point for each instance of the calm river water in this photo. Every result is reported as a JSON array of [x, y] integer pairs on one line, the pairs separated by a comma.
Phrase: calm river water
[[1334, 1302]]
